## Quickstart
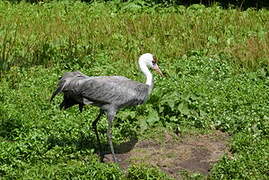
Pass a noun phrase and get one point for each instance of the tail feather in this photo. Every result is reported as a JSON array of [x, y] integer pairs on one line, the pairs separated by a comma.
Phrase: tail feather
[[62, 82], [58, 90], [69, 102]]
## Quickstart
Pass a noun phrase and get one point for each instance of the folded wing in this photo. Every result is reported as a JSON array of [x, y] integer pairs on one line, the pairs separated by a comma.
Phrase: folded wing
[[101, 90]]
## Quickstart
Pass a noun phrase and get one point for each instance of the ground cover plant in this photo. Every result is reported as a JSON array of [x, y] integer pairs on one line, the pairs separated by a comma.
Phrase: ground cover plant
[[216, 67]]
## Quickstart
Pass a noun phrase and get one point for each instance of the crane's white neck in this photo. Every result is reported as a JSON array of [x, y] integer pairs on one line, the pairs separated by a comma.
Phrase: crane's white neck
[[147, 73]]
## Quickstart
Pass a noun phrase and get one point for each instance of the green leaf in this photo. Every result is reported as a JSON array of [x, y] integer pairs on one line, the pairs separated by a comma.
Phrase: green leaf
[[183, 108], [152, 117]]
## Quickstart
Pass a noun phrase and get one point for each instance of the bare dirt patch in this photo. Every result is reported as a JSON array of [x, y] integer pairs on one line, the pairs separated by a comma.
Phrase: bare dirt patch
[[172, 154]]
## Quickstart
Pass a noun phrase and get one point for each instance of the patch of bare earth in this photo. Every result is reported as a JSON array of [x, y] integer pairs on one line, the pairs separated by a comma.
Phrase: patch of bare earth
[[195, 153]]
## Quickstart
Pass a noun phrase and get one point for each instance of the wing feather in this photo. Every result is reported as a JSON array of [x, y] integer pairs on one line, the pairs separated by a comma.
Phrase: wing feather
[[100, 90], [121, 92]]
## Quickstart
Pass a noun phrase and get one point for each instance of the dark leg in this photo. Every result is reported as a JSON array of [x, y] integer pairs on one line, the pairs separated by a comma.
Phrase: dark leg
[[81, 107], [111, 116], [94, 125]]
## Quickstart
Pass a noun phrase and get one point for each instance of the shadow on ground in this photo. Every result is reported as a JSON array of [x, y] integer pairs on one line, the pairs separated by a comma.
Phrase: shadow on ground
[[194, 153], [90, 142]]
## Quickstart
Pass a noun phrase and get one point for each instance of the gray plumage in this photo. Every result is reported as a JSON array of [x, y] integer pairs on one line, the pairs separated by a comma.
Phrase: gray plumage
[[110, 93], [104, 91]]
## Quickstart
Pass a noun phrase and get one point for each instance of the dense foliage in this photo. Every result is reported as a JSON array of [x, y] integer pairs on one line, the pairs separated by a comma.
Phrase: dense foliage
[[216, 66], [241, 4], [72, 33]]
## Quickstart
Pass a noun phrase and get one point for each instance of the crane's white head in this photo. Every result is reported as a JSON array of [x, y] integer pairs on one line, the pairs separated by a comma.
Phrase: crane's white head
[[150, 61]]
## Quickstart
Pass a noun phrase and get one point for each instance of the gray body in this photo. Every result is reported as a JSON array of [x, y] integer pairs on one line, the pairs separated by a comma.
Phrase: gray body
[[107, 92], [110, 93]]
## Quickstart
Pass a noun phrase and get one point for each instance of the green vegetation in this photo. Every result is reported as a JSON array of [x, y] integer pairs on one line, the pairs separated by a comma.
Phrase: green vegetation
[[216, 66], [73, 33]]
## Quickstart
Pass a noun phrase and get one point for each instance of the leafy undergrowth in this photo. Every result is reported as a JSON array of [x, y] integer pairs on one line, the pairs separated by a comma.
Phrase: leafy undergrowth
[[216, 79], [37, 139]]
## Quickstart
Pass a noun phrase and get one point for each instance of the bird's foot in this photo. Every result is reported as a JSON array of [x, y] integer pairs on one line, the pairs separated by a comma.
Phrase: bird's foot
[[111, 158], [116, 160]]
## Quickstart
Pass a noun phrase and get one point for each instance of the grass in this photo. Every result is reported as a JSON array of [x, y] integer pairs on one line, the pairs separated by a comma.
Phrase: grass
[[77, 32], [216, 66]]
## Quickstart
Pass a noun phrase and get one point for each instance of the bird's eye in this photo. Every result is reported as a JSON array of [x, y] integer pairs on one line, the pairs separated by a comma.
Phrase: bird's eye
[[154, 61]]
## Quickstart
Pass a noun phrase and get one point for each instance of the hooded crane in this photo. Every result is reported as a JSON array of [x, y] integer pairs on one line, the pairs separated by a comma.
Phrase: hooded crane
[[110, 93]]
